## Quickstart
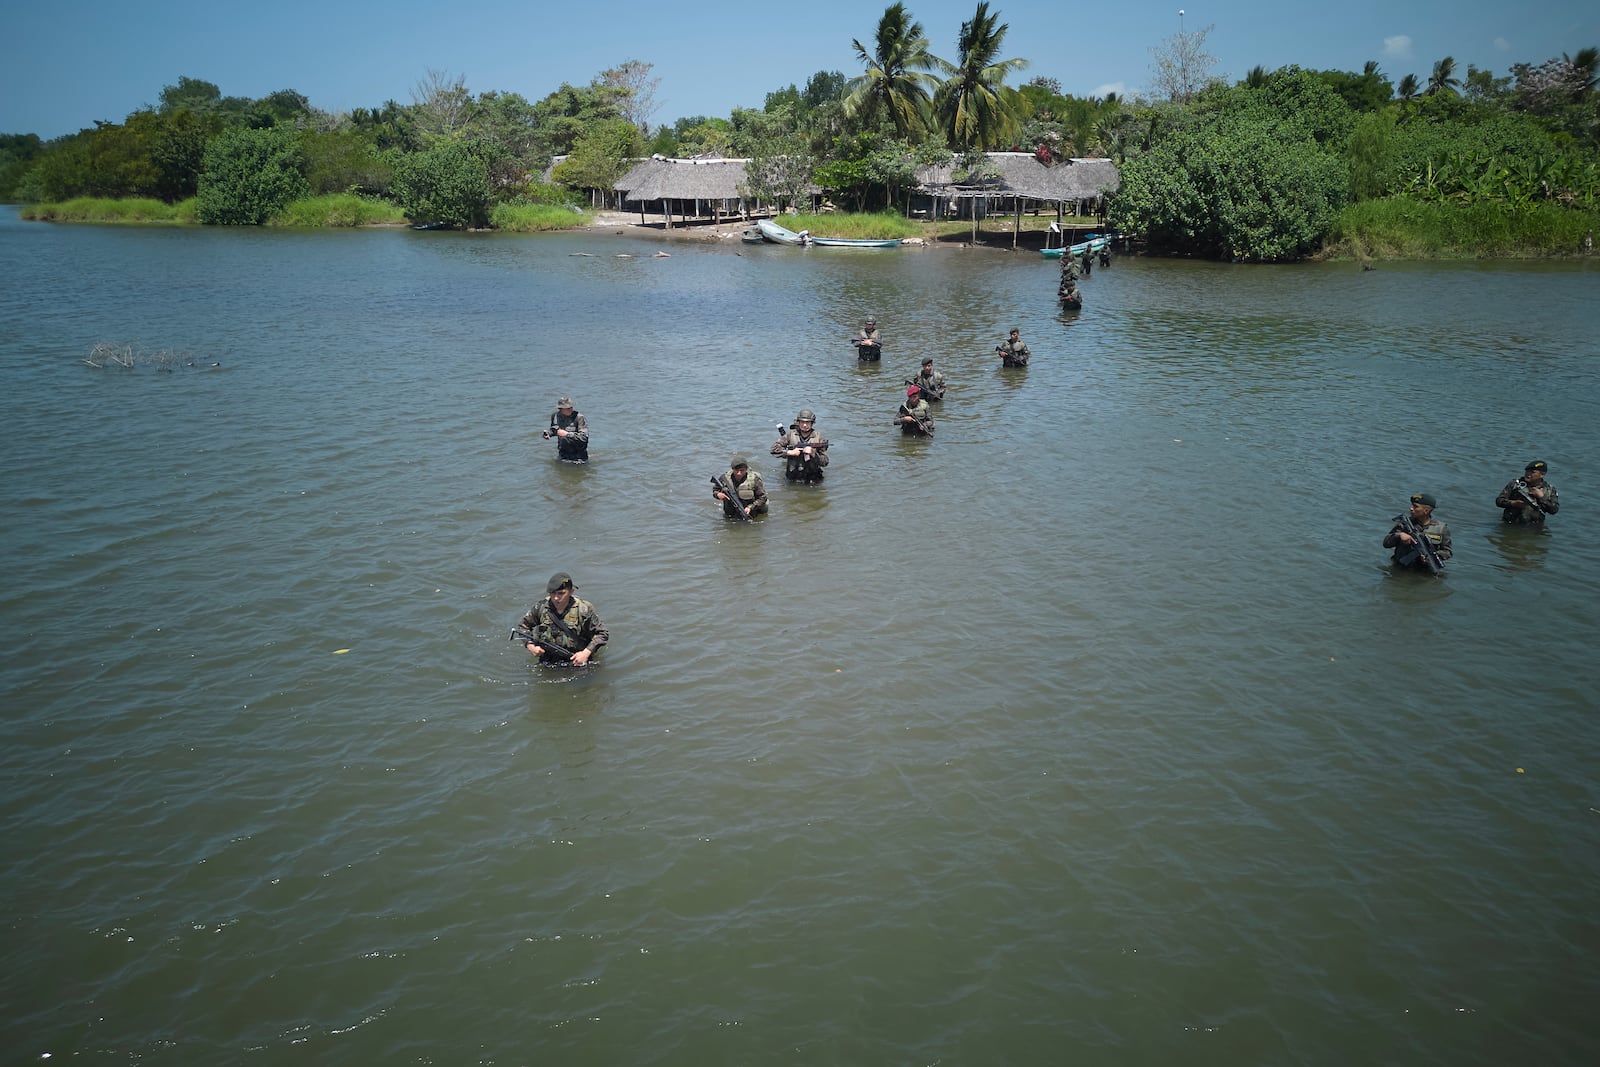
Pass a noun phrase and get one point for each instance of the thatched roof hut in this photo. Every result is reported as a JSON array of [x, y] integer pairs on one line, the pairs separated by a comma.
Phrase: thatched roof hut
[[1020, 174], [1016, 179], [716, 184]]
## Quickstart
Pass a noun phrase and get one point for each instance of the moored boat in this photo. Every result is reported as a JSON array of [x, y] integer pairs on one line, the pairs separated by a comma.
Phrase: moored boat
[[856, 242], [777, 234], [1093, 244], [751, 236]]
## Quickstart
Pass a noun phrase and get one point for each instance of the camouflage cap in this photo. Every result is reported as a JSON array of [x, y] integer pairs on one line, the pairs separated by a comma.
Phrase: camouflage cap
[[1537, 465], [564, 402], [739, 461], [558, 581], [1425, 499]]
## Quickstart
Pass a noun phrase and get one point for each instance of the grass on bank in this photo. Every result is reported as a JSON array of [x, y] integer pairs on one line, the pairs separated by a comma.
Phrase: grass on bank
[[335, 210], [1400, 228], [876, 226], [105, 209], [536, 218]]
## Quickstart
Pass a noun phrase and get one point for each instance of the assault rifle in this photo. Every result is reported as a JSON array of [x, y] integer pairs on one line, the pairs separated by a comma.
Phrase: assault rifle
[[1521, 488], [551, 432], [924, 424], [867, 349], [721, 481], [1009, 358], [929, 392], [528, 637], [1421, 546]]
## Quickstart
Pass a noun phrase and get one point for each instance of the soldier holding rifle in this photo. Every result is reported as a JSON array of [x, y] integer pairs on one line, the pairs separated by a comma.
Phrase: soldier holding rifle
[[561, 628], [1014, 353], [804, 450], [914, 417], [1419, 540], [749, 496], [869, 345], [930, 381], [1528, 499]]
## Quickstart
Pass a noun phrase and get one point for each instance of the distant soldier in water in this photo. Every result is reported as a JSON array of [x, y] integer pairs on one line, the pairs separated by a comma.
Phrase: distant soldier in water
[[747, 484], [1528, 499], [930, 381], [1014, 353], [571, 431], [914, 417], [869, 345], [804, 450]]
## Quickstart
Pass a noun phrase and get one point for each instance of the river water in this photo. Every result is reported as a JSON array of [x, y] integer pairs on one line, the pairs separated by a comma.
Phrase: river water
[[1093, 730]]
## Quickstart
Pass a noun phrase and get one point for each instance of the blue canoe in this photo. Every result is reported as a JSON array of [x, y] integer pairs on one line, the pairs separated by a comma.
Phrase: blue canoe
[[1093, 244], [856, 242]]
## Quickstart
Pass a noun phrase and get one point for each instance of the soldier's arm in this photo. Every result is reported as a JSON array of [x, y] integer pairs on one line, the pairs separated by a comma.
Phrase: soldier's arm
[[598, 634], [758, 488], [579, 431], [1443, 545], [1550, 505], [1507, 495]]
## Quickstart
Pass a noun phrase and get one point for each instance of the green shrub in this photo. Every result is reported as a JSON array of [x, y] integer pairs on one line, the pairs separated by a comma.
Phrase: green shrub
[[1406, 228], [337, 210], [250, 175], [448, 185], [532, 218]]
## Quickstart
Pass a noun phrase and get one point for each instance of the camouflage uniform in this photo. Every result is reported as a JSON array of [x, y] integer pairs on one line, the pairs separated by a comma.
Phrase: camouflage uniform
[[1014, 354], [1437, 533], [869, 346], [798, 468], [932, 386], [574, 446], [751, 491], [580, 617], [1549, 504], [917, 409]]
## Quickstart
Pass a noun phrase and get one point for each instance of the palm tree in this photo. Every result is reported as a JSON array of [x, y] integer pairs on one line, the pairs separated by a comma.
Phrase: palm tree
[[976, 109], [1585, 65], [1257, 77], [898, 79], [1443, 79], [1407, 88], [1370, 68]]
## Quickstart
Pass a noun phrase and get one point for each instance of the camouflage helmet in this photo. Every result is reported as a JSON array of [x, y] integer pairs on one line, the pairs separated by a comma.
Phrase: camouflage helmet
[[806, 415]]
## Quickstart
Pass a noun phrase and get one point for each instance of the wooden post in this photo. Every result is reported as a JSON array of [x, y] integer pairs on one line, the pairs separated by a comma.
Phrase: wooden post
[[1016, 230]]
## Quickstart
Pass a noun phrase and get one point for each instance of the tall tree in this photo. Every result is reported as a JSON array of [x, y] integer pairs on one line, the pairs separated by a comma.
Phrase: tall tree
[[442, 106], [1443, 80], [640, 103], [1408, 87], [976, 108], [899, 80], [1183, 66]]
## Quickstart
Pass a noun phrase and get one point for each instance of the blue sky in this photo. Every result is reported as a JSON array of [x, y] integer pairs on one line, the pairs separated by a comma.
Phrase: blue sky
[[72, 62]]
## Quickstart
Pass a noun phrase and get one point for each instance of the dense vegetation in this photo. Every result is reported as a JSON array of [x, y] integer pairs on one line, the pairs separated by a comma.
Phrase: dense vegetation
[[1280, 165]]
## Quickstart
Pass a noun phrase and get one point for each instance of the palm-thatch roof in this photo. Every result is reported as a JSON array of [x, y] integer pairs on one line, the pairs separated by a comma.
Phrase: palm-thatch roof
[[1021, 174], [660, 178]]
